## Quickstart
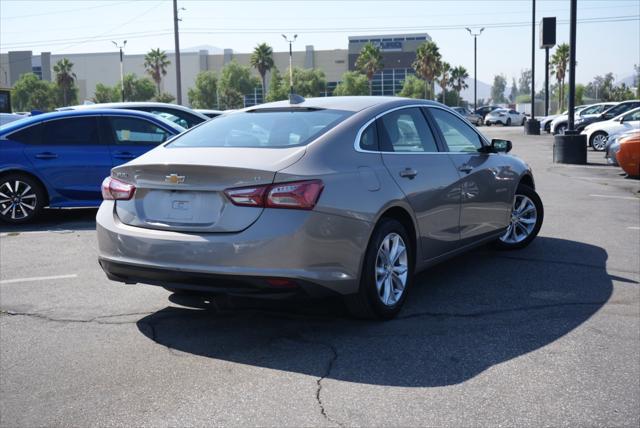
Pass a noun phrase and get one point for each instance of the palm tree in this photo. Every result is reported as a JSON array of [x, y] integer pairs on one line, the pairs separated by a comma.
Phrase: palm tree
[[459, 76], [262, 60], [64, 77], [445, 79], [427, 64], [559, 63], [369, 62], [155, 64]]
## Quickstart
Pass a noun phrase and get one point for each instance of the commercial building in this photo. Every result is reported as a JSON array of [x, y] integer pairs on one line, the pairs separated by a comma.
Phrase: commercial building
[[92, 68]]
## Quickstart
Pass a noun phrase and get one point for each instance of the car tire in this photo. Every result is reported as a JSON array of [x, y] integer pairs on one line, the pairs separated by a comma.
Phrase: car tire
[[380, 277], [560, 129], [527, 206], [598, 141], [22, 198], [488, 123], [508, 123]]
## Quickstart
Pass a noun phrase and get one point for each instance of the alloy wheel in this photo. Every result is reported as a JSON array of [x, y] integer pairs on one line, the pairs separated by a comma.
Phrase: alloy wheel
[[524, 216], [392, 265], [599, 142], [18, 200]]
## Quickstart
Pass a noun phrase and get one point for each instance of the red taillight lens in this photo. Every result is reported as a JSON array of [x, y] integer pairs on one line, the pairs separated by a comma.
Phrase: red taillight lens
[[116, 190], [301, 195], [247, 196]]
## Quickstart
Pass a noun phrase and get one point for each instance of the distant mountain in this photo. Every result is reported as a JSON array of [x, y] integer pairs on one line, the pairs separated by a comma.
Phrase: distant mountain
[[627, 81], [484, 91]]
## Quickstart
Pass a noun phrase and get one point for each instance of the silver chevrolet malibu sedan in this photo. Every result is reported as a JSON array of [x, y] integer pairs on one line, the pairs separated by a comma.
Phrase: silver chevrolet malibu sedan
[[347, 196]]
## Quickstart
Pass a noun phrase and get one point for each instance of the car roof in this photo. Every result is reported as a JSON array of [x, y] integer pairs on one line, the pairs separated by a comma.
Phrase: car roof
[[31, 120], [346, 103], [134, 104]]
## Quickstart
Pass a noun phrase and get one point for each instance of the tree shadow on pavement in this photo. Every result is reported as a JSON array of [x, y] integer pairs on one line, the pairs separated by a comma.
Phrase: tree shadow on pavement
[[462, 317]]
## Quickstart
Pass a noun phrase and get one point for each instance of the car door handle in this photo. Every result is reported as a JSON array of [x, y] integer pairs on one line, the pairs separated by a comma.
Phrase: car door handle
[[124, 155], [466, 169], [408, 173], [46, 155]]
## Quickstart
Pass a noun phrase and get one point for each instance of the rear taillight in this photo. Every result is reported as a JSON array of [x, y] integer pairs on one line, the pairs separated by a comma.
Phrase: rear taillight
[[299, 195], [116, 190]]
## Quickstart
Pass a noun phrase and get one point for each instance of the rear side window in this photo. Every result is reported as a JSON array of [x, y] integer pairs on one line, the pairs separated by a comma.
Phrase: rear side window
[[262, 128], [129, 130], [369, 139], [459, 136], [406, 130], [30, 135], [72, 131]]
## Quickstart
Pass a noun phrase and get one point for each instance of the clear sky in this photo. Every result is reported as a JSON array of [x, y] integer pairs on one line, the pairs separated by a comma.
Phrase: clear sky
[[608, 36]]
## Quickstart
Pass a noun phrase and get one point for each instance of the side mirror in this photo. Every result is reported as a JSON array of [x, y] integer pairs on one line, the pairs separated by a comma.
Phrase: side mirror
[[622, 119], [501, 146]]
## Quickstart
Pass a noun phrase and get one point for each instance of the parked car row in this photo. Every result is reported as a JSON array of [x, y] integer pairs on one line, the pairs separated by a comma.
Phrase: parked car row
[[599, 132], [585, 115]]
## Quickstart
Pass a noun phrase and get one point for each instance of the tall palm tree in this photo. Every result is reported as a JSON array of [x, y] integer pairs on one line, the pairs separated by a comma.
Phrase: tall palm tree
[[559, 63], [459, 76], [445, 79], [262, 60], [427, 64], [369, 62], [65, 78], [155, 64]]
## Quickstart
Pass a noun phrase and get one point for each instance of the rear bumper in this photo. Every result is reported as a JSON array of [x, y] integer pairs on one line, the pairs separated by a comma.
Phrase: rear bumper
[[315, 250]]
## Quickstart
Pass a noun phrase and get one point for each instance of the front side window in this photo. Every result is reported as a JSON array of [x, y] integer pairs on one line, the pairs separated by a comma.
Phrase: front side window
[[458, 136], [129, 130], [406, 130], [269, 128], [72, 131], [634, 115]]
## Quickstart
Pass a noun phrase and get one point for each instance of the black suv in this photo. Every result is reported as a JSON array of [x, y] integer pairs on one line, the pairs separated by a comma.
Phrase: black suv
[[614, 111]]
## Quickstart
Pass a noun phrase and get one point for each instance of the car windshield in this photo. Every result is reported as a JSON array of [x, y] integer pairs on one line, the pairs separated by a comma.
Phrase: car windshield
[[269, 128]]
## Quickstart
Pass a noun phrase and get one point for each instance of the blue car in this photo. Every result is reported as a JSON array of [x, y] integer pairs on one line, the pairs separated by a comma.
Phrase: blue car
[[59, 159]]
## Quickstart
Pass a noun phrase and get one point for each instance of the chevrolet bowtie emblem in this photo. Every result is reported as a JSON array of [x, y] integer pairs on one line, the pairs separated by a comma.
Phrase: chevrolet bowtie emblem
[[174, 179]]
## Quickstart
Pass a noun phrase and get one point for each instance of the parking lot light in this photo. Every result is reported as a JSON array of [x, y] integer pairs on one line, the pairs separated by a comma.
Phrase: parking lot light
[[475, 65], [121, 47], [290, 41]]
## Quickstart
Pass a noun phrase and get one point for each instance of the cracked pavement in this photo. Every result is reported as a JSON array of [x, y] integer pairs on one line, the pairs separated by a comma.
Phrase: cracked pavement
[[549, 335]]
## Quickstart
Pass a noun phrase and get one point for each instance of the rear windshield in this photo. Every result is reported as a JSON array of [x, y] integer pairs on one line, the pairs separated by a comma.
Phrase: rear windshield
[[262, 128]]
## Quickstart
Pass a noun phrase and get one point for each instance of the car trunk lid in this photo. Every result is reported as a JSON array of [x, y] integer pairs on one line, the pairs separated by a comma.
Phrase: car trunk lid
[[187, 194]]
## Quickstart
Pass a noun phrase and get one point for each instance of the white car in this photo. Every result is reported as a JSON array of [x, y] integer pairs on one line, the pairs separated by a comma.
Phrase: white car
[[561, 123], [598, 133], [504, 116]]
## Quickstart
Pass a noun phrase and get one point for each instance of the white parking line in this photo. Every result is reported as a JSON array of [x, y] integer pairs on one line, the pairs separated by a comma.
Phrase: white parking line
[[35, 232], [633, 227], [628, 198], [37, 278]]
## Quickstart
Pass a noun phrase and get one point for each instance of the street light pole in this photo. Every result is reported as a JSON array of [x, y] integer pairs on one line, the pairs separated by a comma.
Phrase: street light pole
[[121, 67], [532, 126], [176, 37], [475, 65], [290, 41]]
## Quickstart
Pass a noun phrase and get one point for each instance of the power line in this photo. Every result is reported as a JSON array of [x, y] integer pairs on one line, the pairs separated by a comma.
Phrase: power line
[[307, 30], [57, 12]]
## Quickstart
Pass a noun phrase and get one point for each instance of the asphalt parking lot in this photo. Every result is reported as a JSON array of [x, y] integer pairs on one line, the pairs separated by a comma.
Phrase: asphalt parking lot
[[548, 335]]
